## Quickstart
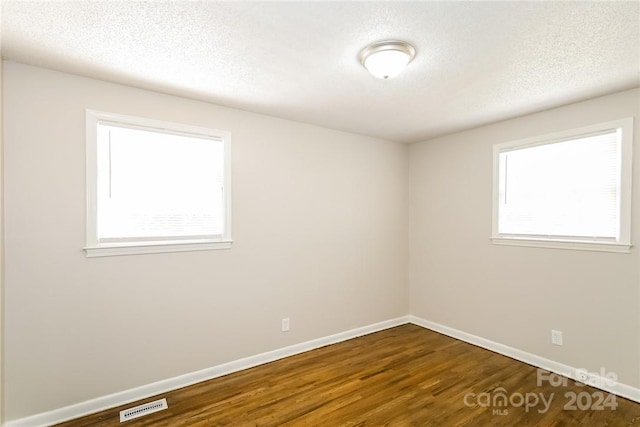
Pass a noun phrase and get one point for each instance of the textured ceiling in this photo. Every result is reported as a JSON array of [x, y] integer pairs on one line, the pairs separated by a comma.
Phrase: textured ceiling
[[476, 62]]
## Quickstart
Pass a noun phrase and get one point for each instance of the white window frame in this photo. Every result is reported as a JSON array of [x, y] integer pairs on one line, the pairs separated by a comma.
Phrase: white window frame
[[93, 247], [623, 244]]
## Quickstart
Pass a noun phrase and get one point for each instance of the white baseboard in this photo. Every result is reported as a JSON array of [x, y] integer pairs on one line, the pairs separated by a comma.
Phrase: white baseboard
[[128, 396], [619, 389], [122, 398]]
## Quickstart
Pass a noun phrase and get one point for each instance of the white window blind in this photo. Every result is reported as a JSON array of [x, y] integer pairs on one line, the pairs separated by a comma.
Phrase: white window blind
[[569, 188], [566, 190], [158, 186]]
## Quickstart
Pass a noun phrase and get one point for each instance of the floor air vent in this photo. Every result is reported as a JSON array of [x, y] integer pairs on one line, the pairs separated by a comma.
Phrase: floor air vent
[[142, 410]]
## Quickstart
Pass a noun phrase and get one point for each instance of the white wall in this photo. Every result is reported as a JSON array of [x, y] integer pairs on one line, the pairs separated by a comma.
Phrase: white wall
[[320, 236], [320, 224], [516, 295], [1, 254]]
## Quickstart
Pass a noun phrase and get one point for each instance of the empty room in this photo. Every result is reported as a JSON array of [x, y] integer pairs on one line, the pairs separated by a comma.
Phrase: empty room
[[319, 213]]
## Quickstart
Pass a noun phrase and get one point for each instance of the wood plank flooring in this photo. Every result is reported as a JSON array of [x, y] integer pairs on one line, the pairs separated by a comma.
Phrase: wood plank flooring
[[404, 376]]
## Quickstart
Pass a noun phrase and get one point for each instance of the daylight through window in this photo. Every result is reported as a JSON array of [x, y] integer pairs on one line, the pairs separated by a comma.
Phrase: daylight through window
[[572, 187], [156, 184]]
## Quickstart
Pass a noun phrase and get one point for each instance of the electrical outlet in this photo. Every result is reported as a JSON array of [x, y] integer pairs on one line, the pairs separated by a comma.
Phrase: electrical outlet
[[285, 324], [556, 337]]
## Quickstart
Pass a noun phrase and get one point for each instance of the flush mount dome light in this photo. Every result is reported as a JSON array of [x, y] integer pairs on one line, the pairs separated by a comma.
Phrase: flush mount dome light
[[387, 58]]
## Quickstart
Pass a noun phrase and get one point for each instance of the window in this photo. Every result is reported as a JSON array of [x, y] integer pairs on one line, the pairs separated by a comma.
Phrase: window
[[568, 190], [155, 187]]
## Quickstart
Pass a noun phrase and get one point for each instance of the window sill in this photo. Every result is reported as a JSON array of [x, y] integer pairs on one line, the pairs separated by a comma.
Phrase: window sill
[[576, 245], [154, 248]]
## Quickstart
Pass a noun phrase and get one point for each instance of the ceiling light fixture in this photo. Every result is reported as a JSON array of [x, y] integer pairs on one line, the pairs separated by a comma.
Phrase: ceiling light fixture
[[387, 58]]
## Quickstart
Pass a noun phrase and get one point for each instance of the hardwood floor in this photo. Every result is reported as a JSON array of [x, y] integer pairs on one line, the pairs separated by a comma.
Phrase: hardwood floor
[[404, 376]]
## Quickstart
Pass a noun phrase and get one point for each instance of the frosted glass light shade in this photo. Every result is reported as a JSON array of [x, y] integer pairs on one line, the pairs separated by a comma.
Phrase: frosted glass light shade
[[387, 59]]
